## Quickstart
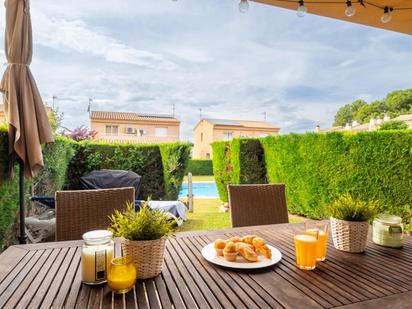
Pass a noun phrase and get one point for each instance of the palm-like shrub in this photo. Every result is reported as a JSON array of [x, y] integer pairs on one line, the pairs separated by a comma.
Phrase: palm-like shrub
[[348, 208]]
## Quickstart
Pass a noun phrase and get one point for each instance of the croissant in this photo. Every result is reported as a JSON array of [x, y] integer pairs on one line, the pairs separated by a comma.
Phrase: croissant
[[248, 253], [235, 239], [248, 239], [262, 248]]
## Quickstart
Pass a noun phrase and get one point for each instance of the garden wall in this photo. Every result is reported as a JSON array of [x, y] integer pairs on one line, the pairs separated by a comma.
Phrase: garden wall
[[200, 167], [318, 167]]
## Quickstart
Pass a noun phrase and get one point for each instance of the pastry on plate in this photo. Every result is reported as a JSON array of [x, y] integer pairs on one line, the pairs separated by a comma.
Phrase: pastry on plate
[[246, 251], [248, 239], [230, 251], [220, 244], [235, 239], [262, 248]]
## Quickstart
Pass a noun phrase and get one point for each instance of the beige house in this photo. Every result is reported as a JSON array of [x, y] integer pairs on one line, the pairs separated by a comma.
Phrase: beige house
[[122, 127], [373, 124], [208, 131]]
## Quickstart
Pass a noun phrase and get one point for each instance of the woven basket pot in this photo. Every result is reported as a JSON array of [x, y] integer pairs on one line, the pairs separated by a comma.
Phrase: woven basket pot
[[349, 236], [147, 256]]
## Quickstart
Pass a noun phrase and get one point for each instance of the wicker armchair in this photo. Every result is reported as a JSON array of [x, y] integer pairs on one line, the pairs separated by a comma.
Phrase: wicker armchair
[[80, 211], [257, 204]]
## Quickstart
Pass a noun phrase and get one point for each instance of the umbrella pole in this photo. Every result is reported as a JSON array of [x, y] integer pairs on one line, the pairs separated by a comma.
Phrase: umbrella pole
[[23, 236]]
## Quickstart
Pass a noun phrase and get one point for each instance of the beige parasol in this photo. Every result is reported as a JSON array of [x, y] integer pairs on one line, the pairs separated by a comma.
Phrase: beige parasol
[[28, 122], [29, 126]]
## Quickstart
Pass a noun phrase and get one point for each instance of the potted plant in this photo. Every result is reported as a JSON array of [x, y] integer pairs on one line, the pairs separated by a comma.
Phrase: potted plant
[[349, 218], [143, 235]]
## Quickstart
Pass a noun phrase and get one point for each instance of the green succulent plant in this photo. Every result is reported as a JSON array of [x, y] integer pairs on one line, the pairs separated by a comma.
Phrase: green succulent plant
[[147, 224], [348, 208]]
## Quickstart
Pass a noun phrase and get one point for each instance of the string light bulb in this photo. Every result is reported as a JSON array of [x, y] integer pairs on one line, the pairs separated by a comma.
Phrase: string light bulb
[[386, 17], [302, 10], [350, 9], [243, 6]]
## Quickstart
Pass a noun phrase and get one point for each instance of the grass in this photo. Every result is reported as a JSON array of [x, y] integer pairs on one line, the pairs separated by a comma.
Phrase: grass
[[200, 178], [206, 216]]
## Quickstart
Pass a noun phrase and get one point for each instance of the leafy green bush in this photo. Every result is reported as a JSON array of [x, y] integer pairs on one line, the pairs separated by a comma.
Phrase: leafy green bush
[[348, 208], [147, 224], [317, 168], [394, 125], [222, 167], [200, 167]]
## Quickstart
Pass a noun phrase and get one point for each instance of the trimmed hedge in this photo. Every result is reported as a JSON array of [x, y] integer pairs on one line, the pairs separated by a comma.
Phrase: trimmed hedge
[[161, 166], [317, 168], [248, 161], [222, 167], [200, 167], [239, 161]]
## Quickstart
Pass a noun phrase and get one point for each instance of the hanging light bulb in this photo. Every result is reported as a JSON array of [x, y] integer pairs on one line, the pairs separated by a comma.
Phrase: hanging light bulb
[[243, 6], [302, 10], [386, 17], [350, 10]]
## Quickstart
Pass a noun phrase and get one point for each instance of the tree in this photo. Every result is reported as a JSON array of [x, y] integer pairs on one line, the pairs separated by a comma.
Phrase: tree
[[80, 134], [347, 113], [394, 125]]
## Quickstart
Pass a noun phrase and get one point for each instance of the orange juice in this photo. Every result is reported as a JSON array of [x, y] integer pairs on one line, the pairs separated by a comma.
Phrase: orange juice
[[322, 243], [305, 246]]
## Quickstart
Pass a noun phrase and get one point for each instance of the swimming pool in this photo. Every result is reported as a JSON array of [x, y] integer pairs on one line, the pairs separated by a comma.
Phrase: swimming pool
[[200, 189]]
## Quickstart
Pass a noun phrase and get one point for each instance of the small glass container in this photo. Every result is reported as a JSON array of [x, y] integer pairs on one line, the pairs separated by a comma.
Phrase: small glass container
[[122, 275], [97, 253], [388, 231]]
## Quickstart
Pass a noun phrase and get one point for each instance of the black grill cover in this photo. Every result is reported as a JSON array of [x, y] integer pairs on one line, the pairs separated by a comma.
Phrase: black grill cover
[[106, 179]]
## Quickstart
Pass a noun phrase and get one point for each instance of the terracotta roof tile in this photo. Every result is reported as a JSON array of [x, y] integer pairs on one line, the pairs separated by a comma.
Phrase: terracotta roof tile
[[241, 123], [130, 116]]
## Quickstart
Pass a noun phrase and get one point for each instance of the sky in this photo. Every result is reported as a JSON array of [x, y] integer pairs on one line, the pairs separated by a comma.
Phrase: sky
[[146, 55]]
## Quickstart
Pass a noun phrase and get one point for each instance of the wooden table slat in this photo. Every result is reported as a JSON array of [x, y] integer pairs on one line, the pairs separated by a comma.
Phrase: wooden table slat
[[49, 275]]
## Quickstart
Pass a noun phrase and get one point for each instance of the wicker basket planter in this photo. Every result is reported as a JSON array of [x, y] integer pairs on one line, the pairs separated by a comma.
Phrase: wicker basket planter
[[349, 236], [147, 256]]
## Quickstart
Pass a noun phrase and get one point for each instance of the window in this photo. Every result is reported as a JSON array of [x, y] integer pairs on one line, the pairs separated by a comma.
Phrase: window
[[201, 137], [112, 130], [131, 130], [161, 132], [227, 136]]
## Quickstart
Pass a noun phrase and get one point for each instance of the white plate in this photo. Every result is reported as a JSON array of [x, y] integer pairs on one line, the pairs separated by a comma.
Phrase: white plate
[[209, 253]]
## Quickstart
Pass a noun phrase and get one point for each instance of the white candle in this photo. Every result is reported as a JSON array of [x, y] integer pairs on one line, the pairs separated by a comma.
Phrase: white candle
[[97, 253]]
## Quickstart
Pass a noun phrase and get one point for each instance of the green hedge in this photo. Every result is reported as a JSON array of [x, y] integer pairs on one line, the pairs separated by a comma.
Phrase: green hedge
[[200, 167], [248, 161], [161, 166], [222, 167], [240, 161], [316, 168]]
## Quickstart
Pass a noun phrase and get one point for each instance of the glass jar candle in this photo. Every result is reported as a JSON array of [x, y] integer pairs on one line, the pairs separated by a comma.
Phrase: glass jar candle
[[388, 231], [122, 275], [97, 253]]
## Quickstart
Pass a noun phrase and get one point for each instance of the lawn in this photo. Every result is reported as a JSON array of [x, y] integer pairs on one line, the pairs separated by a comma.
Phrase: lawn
[[206, 216]]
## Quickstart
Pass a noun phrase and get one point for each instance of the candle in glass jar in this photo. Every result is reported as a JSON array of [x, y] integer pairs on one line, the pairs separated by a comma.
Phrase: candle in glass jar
[[97, 253]]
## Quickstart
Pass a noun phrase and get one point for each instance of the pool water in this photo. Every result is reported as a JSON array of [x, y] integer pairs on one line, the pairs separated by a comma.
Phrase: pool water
[[200, 189]]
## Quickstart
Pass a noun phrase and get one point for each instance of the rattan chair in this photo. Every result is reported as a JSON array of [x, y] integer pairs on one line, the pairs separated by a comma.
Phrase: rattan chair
[[78, 212], [257, 204]]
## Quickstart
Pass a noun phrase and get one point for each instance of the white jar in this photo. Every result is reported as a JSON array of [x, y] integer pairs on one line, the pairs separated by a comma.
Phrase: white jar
[[97, 254]]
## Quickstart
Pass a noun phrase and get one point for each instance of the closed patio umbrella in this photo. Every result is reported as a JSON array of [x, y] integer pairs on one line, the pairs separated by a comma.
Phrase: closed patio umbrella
[[26, 116]]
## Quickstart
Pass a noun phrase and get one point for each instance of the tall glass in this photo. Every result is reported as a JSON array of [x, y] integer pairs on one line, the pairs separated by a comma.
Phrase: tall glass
[[122, 275], [305, 246], [320, 230]]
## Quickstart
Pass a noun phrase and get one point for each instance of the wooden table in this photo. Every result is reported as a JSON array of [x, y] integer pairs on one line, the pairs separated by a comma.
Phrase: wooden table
[[48, 275]]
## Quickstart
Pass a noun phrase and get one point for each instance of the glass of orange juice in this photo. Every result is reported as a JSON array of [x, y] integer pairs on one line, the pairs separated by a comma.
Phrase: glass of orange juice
[[305, 246], [122, 275], [320, 230]]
